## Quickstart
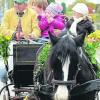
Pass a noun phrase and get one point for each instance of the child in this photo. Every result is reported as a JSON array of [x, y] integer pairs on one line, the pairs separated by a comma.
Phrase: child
[[53, 20], [80, 23]]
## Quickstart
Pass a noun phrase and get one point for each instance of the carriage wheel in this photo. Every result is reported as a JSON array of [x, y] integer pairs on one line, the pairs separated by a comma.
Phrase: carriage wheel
[[5, 92]]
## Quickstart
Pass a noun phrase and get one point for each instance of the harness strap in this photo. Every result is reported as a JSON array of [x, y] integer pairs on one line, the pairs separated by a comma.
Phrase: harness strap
[[79, 68], [90, 66], [58, 82]]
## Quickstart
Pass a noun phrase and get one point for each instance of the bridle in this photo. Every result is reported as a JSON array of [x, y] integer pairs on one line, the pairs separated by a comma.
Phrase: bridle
[[70, 83]]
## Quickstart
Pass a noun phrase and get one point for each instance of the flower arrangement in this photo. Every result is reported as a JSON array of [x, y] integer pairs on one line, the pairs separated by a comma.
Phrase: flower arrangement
[[4, 46], [92, 42]]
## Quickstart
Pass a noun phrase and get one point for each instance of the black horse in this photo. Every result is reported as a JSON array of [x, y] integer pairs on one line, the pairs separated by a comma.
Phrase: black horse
[[69, 64], [73, 74]]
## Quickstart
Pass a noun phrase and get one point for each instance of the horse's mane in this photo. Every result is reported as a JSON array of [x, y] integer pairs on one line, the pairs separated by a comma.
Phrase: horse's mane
[[64, 47]]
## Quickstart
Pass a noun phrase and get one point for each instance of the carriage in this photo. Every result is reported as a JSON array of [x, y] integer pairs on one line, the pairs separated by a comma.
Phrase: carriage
[[30, 84]]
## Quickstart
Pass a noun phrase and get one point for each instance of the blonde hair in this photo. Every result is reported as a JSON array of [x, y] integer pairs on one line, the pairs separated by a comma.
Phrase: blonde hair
[[39, 3]]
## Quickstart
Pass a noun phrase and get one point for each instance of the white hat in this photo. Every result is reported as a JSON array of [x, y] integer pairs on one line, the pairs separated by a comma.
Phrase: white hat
[[55, 8], [81, 8]]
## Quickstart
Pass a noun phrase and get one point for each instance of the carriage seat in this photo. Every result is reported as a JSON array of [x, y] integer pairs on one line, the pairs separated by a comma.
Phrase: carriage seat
[[24, 59]]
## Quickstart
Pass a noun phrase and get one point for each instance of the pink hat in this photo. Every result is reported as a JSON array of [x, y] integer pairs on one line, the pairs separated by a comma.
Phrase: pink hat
[[55, 8]]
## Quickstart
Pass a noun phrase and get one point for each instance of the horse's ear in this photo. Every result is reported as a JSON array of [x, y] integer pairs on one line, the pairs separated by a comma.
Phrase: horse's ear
[[53, 38], [79, 40]]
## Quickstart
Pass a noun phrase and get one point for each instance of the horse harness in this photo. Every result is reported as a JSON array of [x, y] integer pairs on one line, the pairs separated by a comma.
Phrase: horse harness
[[71, 83]]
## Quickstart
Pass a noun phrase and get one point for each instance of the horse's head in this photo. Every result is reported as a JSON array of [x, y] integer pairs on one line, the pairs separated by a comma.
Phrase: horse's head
[[64, 60]]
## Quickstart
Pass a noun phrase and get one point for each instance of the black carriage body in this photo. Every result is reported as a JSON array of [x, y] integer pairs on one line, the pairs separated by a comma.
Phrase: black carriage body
[[24, 59]]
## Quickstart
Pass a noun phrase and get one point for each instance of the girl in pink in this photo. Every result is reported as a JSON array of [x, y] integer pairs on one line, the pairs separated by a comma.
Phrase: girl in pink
[[53, 20]]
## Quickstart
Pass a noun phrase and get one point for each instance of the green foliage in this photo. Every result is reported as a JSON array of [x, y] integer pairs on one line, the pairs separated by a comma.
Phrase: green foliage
[[49, 1], [90, 49], [69, 13], [97, 17], [43, 56], [4, 48], [64, 7], [92, 42]]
